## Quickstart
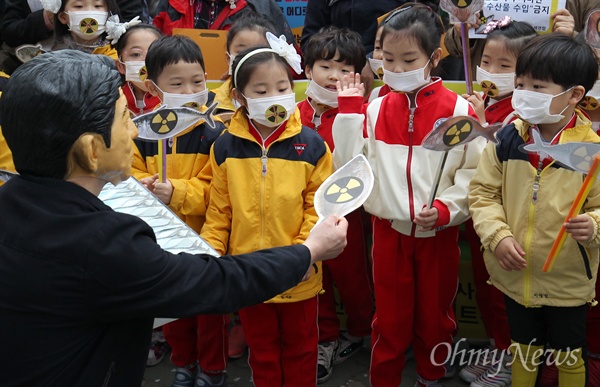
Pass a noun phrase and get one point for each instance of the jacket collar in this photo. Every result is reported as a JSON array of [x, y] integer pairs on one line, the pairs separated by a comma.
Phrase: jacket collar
[[581, 131], [239, 126]]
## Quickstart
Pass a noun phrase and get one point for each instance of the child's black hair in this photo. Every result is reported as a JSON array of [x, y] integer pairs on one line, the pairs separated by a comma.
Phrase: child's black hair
[[515, 36], [330, 41], [169, 50], [250, 22], [422, 23], [559, 59], [241, 77], [62, 30], [125, 37]]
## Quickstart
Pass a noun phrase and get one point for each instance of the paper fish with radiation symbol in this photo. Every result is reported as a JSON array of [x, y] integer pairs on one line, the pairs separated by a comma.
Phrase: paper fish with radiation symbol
[[464, 11], [165, 123], [345, 190], [592, 29], [574, 155], [459, 130]]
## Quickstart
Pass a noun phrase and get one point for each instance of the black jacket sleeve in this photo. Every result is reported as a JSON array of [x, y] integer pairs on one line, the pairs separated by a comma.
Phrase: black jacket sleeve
[[318, 15], [131, 276], [128, 9], [21, 26]]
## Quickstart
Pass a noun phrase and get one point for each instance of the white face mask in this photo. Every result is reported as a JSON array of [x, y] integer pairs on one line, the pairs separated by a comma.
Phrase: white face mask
[[591, 101], [135, 71], [88, 25], [231, 59], [322, 95], [271, 111], [407, 81], [194, 101], [495, 85], [534, 107], [376, 66]]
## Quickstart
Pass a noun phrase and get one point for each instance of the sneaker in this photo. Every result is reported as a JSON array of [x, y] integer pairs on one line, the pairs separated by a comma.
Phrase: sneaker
[[474, 370], [497, 375], [204, 380], [348, 345], [237, 342], [158, 348], [327, 352], [184, 376]]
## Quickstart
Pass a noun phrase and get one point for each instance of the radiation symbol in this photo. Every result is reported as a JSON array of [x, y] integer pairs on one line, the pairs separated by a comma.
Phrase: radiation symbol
[[88, 26], [581, 159], [489, 88], [457, 133], [598, 26], [344, 189], [380, 73], [163, 122], [276, 114], [589, 103], [143, 73], [193, 105], [461, 3]]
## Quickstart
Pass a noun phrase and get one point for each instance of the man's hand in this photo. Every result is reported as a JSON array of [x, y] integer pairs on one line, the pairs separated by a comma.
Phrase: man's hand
[[564, 22], [328, 239], [510, 254]]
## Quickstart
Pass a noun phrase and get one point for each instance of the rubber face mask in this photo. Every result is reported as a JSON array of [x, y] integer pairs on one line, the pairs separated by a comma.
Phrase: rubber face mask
[[88, 25], [534, 107], [376, 66], [495, 85], [407, 81], [591, 101], [271, 111], [194, 101], [322, 95]]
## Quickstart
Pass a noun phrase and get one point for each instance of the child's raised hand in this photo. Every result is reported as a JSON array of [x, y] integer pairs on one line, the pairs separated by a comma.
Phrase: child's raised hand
[[426, 219], [476, 99], [350, 86], [163, 191], [580, 227], [510, 254], [563, 22]]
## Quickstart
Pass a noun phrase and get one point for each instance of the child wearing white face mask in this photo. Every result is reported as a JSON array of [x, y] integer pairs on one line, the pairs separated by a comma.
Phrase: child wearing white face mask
[[81, 25], [519, 202], [132, 48], [176, 74], [266, 169], [415, 250]]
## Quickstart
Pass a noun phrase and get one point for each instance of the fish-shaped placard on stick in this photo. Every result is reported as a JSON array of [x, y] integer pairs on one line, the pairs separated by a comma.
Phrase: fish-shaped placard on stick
[[464, 11], [165, 123], [592, 29], [457, 131]]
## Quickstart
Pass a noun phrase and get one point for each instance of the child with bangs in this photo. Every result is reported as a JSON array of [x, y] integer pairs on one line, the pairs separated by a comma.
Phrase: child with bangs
[[328, 56]]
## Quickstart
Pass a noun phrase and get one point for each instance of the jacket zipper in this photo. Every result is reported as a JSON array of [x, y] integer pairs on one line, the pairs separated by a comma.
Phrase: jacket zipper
[[263, 160], [411, 129], [529, 236]]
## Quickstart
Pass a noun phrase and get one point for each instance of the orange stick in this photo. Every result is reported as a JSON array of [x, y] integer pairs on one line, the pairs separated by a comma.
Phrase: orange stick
[[575, 208]]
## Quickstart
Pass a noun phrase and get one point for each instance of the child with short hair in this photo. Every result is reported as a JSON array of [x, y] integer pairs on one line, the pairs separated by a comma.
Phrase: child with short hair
[[415, 250], [81, 25], [176, 75], [518, 213], [266, 169], [328, 56], [376, 64], [132, 48]]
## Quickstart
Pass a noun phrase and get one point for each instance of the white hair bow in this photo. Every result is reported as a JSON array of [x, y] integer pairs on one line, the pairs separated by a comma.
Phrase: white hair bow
[[285, 50], [51, 5], [114, 29]]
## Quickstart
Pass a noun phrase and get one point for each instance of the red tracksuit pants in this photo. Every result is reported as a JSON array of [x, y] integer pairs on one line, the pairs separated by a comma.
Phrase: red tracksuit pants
[[200, 338], [351, 275], [283, 340], [490, 300], [415, 281]]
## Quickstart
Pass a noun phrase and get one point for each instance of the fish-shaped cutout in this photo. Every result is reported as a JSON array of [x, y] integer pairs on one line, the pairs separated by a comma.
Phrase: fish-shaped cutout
[[165, 122], [452, 132], [346, 189], [27, 52], [592, 29], [574, 155], [462, 11]]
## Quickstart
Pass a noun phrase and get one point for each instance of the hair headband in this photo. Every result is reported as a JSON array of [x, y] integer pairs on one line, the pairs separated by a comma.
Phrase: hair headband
[[278, 46]]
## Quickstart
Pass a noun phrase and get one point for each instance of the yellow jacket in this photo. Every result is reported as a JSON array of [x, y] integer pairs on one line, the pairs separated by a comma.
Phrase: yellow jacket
[[187, 169], [502, 206], [262, 195]]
